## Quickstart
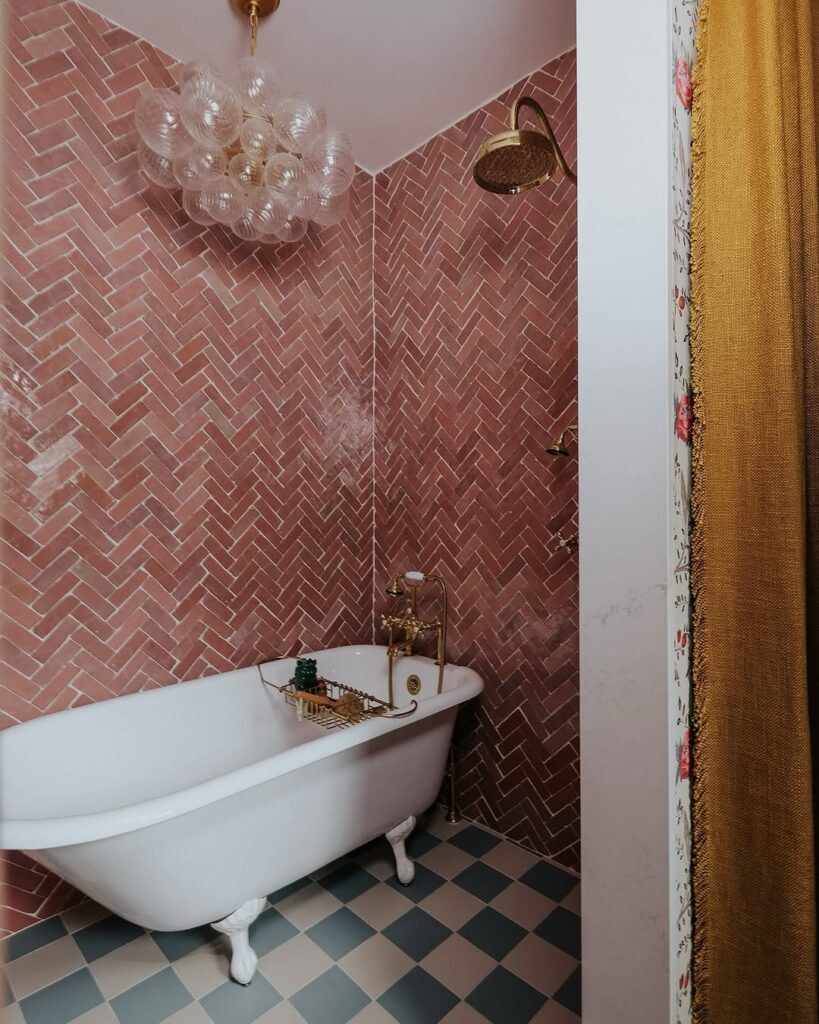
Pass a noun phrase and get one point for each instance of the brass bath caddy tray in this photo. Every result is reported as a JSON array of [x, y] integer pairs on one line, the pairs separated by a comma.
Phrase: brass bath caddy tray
[[338, 706]]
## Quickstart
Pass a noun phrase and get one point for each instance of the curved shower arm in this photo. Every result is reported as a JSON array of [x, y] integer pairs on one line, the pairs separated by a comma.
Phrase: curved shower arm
[[540, 113]]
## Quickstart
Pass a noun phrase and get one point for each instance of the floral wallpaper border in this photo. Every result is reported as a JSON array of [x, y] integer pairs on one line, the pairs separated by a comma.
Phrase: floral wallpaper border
[[683, 26]]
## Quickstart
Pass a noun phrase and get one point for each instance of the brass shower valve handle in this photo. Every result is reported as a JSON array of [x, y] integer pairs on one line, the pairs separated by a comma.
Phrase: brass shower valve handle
[[570, 543]]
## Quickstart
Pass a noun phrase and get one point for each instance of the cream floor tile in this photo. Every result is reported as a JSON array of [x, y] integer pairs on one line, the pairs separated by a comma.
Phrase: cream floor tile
[[554, 1013], [452, 905], [190, 1014], [376, 965], [127, 966], [205, 968], [458, 965], [102, 1014], [374, 1014], [308, 906], [41, 967], [290, 966], [572, 901], [83, 914], [540, 964], [512, 860], [12, 1014], [282, 1013], [447, 860], [380, 906], [436, 823], [327, 869], [523, 905], [378, 859], [464, 1014]]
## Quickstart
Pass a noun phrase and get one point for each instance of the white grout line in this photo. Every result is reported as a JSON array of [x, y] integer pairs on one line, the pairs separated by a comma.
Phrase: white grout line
[[372, 503]]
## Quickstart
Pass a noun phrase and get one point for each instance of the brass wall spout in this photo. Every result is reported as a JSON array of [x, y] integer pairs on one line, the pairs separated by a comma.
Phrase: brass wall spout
[[404, 626]]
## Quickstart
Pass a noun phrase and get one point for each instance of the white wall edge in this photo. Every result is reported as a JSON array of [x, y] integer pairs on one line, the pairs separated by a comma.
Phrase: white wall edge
[[625, 372]]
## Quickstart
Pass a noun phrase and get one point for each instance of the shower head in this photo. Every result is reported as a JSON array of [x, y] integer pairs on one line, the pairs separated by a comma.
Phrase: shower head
[[394, 588], [516, 160], [559, 447]]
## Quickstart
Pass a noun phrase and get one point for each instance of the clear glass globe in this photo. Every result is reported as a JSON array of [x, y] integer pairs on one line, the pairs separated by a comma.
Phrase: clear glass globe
[[246, 170], [330, 163], [331, 209], [245, 227], [196, 206], [224, 202], [210, 111], [159, 122], [304, 202], [293, 229], [299, 124], [257, 137], [197, 68], [156, 168], [269, 212], [256, 86], [285, 174], [198, 168]]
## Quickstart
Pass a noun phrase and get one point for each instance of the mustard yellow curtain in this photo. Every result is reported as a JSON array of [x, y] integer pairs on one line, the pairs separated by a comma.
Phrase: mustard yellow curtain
[[755, 565]]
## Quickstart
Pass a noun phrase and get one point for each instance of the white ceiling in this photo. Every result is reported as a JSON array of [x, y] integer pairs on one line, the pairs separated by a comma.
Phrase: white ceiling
[[391, 74]]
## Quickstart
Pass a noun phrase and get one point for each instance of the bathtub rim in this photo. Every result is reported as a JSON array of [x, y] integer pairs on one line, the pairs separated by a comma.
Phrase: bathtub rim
[[32, 834]]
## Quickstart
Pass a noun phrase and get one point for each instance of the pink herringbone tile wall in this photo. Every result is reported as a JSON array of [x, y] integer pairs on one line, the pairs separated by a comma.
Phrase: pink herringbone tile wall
[[476, 321], [187, 419]]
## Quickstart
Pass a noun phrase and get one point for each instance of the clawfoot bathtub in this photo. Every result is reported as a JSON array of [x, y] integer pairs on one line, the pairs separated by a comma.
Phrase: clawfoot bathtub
[[186, 805]]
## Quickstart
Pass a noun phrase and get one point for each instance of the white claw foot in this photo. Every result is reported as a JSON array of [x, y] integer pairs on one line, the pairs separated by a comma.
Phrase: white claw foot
[[397, 836], [242, 960]]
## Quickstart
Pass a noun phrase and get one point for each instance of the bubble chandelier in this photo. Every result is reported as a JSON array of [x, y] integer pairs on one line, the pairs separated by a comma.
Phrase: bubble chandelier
[[262, 166]]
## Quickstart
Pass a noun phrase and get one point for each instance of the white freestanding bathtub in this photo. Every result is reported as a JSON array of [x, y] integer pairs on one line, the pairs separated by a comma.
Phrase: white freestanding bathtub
[[186, 805]]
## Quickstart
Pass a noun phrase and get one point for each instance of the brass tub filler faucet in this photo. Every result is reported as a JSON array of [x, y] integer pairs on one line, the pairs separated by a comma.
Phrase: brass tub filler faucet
[[404, 627]]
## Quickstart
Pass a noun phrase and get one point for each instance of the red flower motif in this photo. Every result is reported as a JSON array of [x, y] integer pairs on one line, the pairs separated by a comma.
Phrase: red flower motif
[[685, 418], [682, 78], [681, 301], [684, 759]]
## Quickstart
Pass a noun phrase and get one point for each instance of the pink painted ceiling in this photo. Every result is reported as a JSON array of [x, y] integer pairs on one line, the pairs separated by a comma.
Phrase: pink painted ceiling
[[391, 74]]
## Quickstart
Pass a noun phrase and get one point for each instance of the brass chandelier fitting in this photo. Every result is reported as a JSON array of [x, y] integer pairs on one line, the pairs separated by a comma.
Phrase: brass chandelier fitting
[[262, 166]]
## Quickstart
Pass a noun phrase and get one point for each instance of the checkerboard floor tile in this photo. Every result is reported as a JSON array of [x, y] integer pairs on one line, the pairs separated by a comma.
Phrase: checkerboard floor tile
[[487, 932]]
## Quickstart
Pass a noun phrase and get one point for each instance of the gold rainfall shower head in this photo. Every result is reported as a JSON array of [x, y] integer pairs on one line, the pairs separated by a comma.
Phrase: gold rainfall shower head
[[518, 159]]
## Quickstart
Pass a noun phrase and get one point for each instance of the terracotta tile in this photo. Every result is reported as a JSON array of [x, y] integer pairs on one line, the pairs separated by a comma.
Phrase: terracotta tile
[[214, 395]]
